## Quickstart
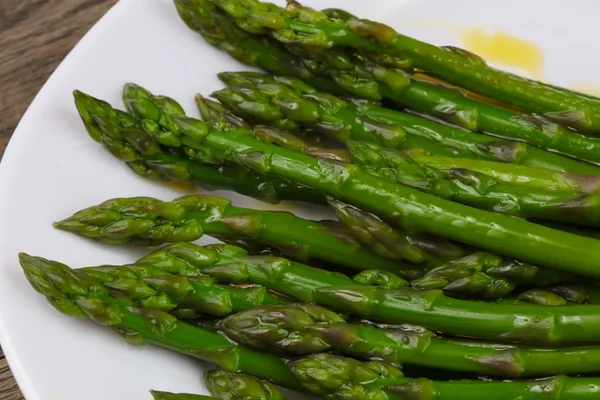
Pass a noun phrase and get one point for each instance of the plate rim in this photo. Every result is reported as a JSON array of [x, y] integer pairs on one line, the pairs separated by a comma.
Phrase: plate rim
[[9, 159]]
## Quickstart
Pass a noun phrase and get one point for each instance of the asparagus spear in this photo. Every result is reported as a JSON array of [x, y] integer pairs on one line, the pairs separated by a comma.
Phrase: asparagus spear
[[213, 111], [411, 208], [301, 26], [121, 134], [488, 276], [460, 185], [393, 242], [301, 329], [238, 386], [149, 221], [155, 288], [161, 108], [336, 378], [534, 178], [577, 292], [334, 117], [178, 396], [83, 297], [388, 242], [431, 309], [476, 189], [340, 71], [74, 293]]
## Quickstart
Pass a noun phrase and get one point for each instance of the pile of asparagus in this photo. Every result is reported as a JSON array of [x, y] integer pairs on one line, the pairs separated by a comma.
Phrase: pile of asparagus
[[463, 258]]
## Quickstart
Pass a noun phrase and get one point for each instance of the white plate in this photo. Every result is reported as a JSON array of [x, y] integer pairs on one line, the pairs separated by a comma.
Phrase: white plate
[[52, 168]]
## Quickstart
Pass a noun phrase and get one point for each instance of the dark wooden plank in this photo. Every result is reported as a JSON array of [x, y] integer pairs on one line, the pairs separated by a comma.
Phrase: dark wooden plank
[[35, 35]]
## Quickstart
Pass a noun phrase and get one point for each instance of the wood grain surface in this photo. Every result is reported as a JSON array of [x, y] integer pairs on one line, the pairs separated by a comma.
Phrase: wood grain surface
[[35, 35]]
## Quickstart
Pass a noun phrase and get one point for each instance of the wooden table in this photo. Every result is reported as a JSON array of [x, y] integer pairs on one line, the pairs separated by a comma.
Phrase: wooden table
[[35, 35]]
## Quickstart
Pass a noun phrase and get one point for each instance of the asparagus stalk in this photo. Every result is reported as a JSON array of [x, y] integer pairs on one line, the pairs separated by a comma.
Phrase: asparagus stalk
[[411, 208], [121, 134], [155, 288], [476, 189], [212, 111], [301, 26], [577, 292], [460, 185], [388, 242], [238, 386], [393, 242], [489, 276], [157, 395], [83, 297], [77, 294], [302, 329], [334, 117], [534, 178], [431, 309], [340, 71], [149, 221], [336, 378]]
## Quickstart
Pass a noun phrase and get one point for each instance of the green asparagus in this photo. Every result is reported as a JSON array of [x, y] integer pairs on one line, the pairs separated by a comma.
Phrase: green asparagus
[[489, 276], [149, 221], [430, 309], [577, 292], [237, 386], [322, 374], [534, 178], [411, 208], [394, 242], [178, 396], [337, 378], [212, 111], [254, 92], [121, 135], [301, 26], [339, 71], [155, 288], [301, 329], [476, 189], [77, 294]]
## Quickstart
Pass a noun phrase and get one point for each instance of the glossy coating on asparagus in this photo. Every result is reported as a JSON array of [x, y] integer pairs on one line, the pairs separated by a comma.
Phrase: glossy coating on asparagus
[[77, 294], [476, 189], [301, 26], [314, 145], [531, 177], [301, 329], [431, 309], [336, 70], [337, 378], [430, 136], [488, 276], [149, 221], [122, 135], [394, 242], [238, 386], [409, 207], [156, 288]]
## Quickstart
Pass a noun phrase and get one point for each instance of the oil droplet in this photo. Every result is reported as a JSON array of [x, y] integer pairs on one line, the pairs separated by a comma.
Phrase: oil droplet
[[182, 187], [586, 88], [502, 48]]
